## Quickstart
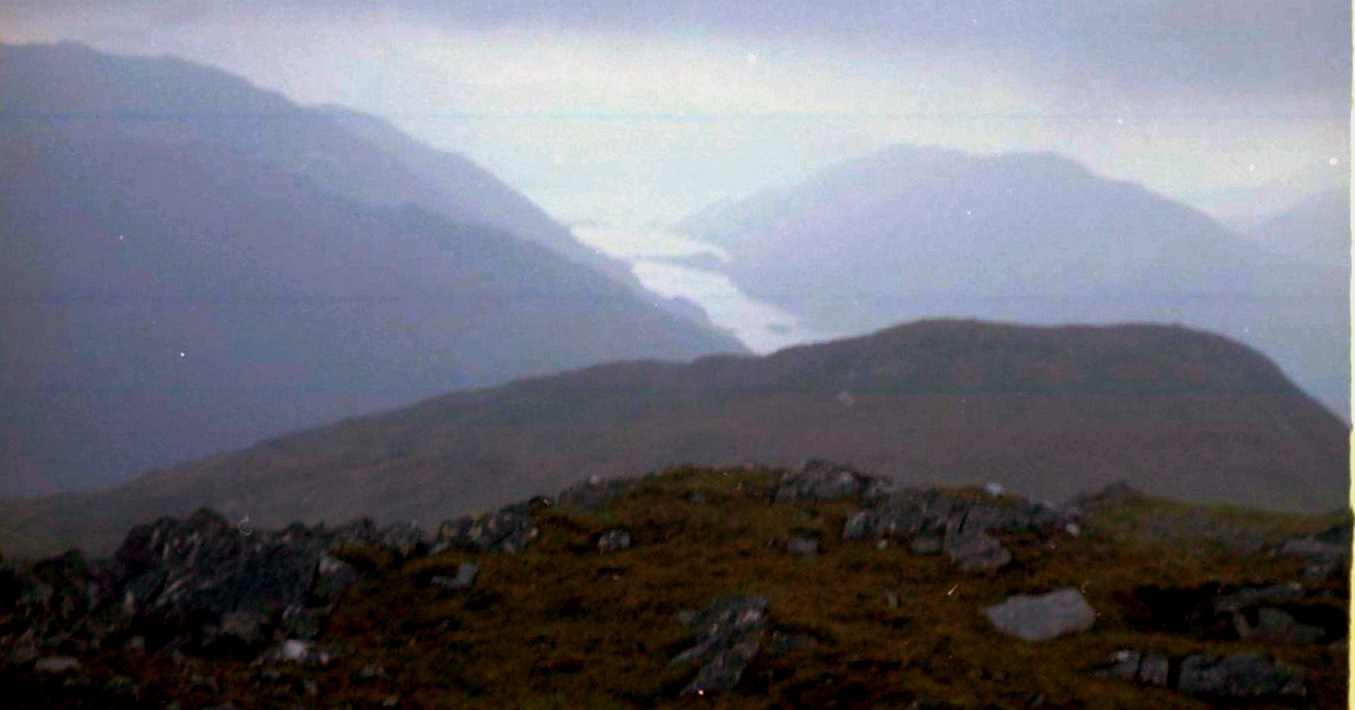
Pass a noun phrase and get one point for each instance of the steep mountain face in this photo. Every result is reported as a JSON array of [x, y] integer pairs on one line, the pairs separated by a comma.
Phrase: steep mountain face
[[910, 233], [171, 289], [1048, 411]]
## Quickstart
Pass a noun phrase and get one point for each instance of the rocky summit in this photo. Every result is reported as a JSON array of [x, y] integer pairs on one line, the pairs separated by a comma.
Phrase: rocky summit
[[819, 586]]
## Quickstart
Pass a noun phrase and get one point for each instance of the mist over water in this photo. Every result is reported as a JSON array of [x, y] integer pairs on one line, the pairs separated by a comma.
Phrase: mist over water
[[652, 250]]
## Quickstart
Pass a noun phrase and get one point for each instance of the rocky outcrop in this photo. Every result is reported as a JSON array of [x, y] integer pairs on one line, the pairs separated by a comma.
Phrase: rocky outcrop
[[727, 635], [1234, 677], [595, 492], [1044, 616], [200, 583], [962, 522], [509, 529], [818, 480]]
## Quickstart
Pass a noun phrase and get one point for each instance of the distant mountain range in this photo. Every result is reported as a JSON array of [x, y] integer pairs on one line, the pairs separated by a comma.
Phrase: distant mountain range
[[192, 263], [911, 233], [1316, 229], [1049, 411]]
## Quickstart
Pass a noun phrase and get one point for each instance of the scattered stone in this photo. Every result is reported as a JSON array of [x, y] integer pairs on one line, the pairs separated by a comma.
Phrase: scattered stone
[[466, 573], [925, 545], [614, 540], [1239, 675], [510, 529], [803, 546], [994, 489], [371, 673], [891, 599], [1042, 617], [819, 480], [975, 552], [1144, 668], [298, 651], [727, 635], [56, 664]]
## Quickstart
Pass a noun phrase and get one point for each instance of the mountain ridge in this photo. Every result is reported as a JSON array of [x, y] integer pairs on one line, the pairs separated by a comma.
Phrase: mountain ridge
[[1053, 411]]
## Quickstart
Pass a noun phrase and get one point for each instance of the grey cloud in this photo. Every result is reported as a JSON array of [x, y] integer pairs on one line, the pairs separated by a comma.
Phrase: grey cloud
[[1221, 47]]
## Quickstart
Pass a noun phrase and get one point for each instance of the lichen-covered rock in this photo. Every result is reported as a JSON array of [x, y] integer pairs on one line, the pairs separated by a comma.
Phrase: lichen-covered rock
[[1044, 616], [727, 635], [819, 480]]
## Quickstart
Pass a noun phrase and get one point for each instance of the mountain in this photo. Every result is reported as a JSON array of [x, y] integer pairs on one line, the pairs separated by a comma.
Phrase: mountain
[[175, 283], [915, 233], [1316, 229], [1049, 411], [748, 587]]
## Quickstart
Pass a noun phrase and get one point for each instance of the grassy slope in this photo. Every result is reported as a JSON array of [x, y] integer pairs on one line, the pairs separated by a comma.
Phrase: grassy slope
[[562, 626], [1049, 412]]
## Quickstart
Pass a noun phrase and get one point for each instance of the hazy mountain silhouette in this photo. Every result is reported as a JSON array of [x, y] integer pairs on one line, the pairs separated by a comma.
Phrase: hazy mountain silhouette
[[909, 233], [1316, 229], [177, 282], [1047, 411]]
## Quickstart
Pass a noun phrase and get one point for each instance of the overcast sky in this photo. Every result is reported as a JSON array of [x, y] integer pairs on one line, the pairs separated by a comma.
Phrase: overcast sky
[[586, 104]]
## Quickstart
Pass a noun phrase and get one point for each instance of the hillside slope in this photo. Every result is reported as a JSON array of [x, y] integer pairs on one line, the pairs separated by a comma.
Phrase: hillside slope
[[1047, 411], [713, 588], [923, 233], [169, 294]]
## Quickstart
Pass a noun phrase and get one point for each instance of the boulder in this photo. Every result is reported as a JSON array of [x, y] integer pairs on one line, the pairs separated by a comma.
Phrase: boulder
[[1143, 668], [818, 480], [1043, 616], [614, 540], [466, 573], [727, 635]]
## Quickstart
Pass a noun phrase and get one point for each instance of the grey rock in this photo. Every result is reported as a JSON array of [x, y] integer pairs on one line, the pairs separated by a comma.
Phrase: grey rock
[[727, 635], [1277, 626], [595, 493], [1145, 668], [1324, 557], [510, 529], [803, 546], [56, 664], [614, 540], [975, 552], [1239, 675], [466, 573], [1044, 616], [819, 480], [1251, 595], [925, 545], [332, 577]]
